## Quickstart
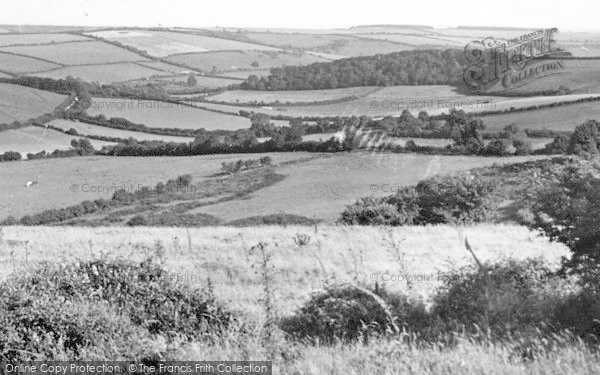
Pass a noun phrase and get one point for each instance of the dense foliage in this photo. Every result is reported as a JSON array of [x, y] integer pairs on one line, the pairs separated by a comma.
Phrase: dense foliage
[[423, 67]]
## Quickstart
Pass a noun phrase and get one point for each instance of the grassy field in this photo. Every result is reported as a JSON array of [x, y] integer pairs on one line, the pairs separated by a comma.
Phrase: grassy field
[[77, 53], [22, 64], [321, 188], [20, 39], [95, 130], [562, 118], [165, 43], [391, 101], [223, 253], [283, 97], [19, 103], [56, 176], [104, 73], [166, 115], [242, 60], [33, 139], [339, 46], [357, 255]]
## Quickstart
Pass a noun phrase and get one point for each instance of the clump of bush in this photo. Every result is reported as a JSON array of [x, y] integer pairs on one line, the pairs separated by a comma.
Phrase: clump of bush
[[343, 312], [240, 165], [456, 199], [70, 311], [274, 219]]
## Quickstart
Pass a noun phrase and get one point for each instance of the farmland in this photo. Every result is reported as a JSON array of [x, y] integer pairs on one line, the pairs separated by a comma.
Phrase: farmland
[[226, 61], [561, 118], [77, 53], [95, 130], [165, 115], [23, 64], [105, 73], [23, 39], [284, 97], [391, 101], [33, 139], [104, 174], [18, 103], [164, 43]]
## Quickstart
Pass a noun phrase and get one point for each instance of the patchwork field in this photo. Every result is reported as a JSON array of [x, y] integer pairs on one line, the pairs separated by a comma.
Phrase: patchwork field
[[165, 115], [165, 43], [22, 39], [34, 139], [23, 64], [19, 103], [105, 174], [78, 53], [242, 60], [95, 130], [565, 117], [105, 73]]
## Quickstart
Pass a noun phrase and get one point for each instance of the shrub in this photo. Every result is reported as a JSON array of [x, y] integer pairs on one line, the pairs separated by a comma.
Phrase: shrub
[[57, 310], [375, 211], [274, 219], [504, 297], [137, 220], [342, 312], [456, 199], [585, 139]]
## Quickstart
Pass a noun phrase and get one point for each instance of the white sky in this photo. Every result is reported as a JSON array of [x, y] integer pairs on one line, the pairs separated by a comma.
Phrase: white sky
[[566, 15]]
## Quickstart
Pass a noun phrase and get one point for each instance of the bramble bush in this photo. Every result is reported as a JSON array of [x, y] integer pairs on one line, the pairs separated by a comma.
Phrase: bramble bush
[[64, 312], [438, 200]]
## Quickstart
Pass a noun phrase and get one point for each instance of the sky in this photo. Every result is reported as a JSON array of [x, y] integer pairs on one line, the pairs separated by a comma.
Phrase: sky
[[573, 15]]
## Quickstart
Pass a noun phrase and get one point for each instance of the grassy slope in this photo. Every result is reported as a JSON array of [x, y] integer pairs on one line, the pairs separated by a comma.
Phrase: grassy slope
[[335, 254], [19, 103]]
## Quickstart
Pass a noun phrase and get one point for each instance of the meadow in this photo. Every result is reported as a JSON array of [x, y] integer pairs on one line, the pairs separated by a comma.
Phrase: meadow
[[19, 103], [165, 115], [225, 61], [34, 139], [23, 64], [21, 39], [96, 130], [101, 175], [166, 43], [284, 97], [560, 118], [391, 101], [77, 53], [228, 257], [104, 73]]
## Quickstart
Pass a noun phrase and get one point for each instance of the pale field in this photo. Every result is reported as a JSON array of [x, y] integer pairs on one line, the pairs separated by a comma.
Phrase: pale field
[[241, 60], [159, 65], [34, 139], [20, 103], [334, 253], [166, 115], [95, 130], [243, 74], [338, 46], [321, 188], [419, 40], [104, 73], [165, 43], [77, 53], [562, 118], [12, 39], [581, 76], [247, 96], [22, 64], [391, 101], [55, 176]]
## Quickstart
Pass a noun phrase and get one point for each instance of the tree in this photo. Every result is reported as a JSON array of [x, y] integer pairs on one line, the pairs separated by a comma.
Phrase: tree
[[191, 81]]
